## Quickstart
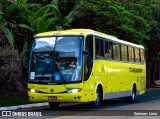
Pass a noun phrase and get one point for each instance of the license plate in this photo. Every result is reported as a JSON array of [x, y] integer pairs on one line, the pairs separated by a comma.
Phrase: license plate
[[52, 98]]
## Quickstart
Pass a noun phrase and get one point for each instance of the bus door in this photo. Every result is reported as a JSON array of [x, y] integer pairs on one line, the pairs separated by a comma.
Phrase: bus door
[[88, 63]]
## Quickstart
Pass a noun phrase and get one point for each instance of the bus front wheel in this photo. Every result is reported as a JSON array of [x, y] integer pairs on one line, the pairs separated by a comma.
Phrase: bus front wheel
[[54, 105], [96, 104]]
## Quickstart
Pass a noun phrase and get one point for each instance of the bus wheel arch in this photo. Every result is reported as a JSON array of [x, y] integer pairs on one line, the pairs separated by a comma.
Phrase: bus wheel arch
[[99, 97]]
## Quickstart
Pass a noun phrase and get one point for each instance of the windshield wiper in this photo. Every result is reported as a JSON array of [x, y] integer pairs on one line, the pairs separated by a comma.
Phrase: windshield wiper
[[57, 69], [50, 57], [53, 63]]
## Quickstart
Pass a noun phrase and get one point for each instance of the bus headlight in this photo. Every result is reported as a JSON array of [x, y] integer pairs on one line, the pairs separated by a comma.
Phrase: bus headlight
[[74, 90], [33, 90]]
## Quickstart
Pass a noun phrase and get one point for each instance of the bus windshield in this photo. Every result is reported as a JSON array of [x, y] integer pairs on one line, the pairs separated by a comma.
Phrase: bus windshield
[[56, 60]]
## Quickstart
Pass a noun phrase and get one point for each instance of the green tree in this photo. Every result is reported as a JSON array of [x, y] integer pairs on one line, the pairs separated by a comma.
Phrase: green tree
[[48, 18], [137, 21], [25, 18], [114, 18], [4, 31]]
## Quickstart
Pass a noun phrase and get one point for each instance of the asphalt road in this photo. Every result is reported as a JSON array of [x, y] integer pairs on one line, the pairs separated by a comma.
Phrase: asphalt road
[[147, 106]]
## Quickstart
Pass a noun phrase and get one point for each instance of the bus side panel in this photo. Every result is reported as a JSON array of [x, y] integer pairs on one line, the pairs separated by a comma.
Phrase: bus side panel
[[121, 76], [88, 89], [143, 81], [98, 77], [138, 76], [113, 72]]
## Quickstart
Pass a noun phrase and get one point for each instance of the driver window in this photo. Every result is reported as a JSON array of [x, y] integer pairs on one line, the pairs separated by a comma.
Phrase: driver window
[[89, 48]]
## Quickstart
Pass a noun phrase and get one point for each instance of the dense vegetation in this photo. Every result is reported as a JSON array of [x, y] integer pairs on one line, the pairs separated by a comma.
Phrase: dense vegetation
[[137, 21]]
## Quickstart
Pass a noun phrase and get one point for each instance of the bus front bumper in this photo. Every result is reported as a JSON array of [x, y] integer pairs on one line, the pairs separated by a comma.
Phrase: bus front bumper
[[65, 97]]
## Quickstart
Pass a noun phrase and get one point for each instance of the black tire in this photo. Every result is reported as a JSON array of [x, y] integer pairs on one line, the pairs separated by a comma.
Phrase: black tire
[[96, 104], [54, 105], [132, 98]]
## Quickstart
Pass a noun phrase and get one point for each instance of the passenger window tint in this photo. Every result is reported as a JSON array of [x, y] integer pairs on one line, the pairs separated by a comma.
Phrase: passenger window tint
[[131, 53], [137, 55], [142, 56], [108, 49], [99, 47], [116, 51], [124, 52]]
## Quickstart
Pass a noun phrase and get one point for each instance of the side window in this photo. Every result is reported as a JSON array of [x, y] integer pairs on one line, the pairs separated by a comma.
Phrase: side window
[[137, 55], [124, 52], [131, 53], [108, 49], [116, 51], [99, 47], [142, 56]]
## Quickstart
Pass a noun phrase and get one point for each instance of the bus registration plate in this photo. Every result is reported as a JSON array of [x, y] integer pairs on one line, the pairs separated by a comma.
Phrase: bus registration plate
[[52, 98]]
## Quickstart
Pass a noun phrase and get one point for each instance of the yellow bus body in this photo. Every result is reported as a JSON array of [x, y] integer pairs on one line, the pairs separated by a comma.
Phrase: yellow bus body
[[115, 77]]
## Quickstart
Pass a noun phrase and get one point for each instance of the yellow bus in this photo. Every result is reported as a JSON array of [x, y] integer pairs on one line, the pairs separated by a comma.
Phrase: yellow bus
[[84, 66]]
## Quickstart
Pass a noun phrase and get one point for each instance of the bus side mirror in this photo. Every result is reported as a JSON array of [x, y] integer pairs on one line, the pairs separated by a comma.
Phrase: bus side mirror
[[85, 53], [89, 59], [25, 53]]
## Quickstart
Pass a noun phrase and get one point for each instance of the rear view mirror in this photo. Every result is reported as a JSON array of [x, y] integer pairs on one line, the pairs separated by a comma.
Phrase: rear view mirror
[[85, 53], [25, 53]]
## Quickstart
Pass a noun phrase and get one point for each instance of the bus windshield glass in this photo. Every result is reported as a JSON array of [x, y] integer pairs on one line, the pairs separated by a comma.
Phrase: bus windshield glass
[[56, 60]]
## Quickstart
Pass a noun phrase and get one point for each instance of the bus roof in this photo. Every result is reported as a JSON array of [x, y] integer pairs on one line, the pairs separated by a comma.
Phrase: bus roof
[[78, 32]]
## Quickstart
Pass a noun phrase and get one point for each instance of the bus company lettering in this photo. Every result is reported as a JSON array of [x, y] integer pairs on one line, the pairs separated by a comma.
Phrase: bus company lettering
[[135, 70]]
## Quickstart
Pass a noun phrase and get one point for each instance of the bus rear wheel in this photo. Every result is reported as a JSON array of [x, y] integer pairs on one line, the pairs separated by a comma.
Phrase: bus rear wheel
[[132, 98], [96, 104], [54, 105]]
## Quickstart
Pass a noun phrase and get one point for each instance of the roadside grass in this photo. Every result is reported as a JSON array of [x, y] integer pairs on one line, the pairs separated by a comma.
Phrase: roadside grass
[[13, 101]]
